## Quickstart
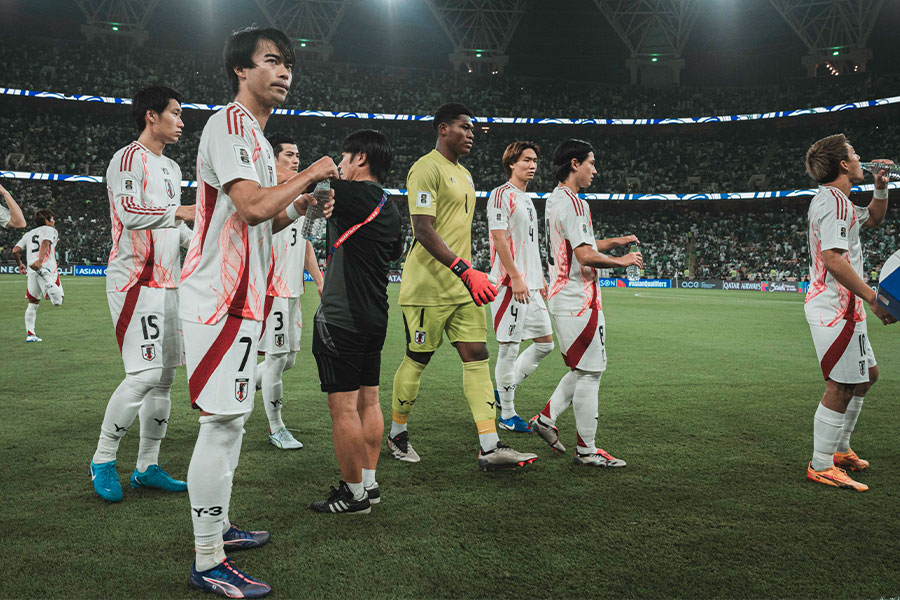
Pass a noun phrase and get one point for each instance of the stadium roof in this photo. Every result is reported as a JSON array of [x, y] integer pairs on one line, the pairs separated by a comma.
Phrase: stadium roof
[[733, 41]]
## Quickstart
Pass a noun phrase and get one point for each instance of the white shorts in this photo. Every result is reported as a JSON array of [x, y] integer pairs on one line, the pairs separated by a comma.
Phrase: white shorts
[[844, 351], [147, 327], [516, 321], [282, 327], [582, 340], [221, 364], [36, 289]]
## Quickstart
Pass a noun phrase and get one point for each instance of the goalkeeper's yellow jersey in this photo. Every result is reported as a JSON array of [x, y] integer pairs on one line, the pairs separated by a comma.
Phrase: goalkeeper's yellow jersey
[[437, 187]]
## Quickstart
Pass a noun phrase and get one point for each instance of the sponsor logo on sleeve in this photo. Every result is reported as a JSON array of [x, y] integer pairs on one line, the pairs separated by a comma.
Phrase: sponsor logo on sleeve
[[584, 228], [243, 157], [128, 185], [842, 232], [423, 200]]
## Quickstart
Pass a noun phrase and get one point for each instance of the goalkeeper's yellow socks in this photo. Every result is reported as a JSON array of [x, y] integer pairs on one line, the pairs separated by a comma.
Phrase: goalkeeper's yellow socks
[[479, 392], [406, 388]]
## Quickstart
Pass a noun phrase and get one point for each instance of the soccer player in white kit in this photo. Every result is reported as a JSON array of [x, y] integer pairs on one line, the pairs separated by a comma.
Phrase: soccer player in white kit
[[148, 232], [574, 302], [10, 215], [223, 289], [42, 269], [518, 312], [282, 320], [834, 305]]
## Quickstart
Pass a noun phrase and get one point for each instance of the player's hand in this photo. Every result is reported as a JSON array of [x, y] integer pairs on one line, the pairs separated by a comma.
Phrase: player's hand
[[475, 281], [883, 315], [186, 212], [22, 269], [632, 258], [629, 239], [882, 178], [319, 286], [306, 200], [519, 289], [283, 175], [545, 293], [324, 168]]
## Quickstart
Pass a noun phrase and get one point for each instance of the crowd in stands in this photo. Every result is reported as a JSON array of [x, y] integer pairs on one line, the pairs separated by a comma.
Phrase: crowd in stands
[[752, 240], [58, 137], [84, 68]]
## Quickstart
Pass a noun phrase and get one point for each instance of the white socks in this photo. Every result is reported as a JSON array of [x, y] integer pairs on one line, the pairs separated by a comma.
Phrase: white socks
[[560, 399], [827, 426], [154, 416], [505, 376], [30, 318], [510, 371], [488, 441], [272, 388], [357, 489], [584, 404], [368, 478], [209, 484], [122, 408], [853, 408], [397, 428]]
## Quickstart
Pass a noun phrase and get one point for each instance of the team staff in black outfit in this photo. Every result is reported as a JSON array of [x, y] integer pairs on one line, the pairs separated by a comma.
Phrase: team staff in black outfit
[[363, 237]]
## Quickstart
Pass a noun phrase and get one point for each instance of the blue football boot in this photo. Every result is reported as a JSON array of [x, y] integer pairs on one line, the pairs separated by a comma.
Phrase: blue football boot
[[515, 423], [226, 580], [155, 477], [238, 539], [106, 481]]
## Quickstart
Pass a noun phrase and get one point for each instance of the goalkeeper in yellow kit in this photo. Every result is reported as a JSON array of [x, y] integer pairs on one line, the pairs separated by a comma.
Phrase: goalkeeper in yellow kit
[[439, 286]]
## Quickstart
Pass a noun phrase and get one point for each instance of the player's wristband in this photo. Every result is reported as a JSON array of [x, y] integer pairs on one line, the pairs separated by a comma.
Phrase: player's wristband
[[292, 213], [880, 194]]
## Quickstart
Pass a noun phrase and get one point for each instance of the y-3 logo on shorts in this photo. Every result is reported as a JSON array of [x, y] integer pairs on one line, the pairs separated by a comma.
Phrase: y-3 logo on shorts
[[241, 389], [420, 337], [148, 351]]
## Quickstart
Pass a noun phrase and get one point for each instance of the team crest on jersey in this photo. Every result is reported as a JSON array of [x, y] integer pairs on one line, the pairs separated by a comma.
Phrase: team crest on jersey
[[419, 337], [842, 231], [423, 200], [530, 215], [170, 188], [241, 389], [148, 351], [279, 339], [128, 185], [243, 157]]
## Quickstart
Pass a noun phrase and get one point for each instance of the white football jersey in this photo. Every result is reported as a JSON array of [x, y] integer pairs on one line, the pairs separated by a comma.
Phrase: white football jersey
[[144, 191], [31, 243], [286, 266], [511, 210], [834, 223], [573, 287], [228, 260]]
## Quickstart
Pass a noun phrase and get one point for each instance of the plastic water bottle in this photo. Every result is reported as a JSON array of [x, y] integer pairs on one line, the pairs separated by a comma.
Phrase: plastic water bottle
[[633, 272], [314, 213], [893, 171]]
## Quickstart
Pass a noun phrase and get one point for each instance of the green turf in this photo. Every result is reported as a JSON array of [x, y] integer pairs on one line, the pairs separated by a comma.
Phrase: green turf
[[709, 396]]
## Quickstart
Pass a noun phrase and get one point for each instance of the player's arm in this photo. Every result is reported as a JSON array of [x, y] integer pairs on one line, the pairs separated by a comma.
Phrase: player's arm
[[312, 267], [16, 218], [43, 253], [842, 271], [878, 206], [20, 265], [589, 257], [501, 246], [256, 204], [185, 234], [608, 244]]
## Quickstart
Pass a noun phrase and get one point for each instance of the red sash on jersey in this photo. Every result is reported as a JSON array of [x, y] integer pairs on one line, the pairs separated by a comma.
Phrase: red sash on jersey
[[352, 230]]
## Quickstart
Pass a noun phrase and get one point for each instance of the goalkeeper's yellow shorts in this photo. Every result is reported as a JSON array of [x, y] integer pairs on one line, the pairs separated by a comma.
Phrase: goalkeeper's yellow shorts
[[425, 325]]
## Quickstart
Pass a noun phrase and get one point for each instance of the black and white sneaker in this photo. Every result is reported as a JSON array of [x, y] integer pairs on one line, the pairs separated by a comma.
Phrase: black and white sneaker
[[341, 500], [374, 493]]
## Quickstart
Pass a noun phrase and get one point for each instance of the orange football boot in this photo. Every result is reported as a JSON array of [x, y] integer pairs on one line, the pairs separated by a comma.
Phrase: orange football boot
[[835, 477], [849, 461]]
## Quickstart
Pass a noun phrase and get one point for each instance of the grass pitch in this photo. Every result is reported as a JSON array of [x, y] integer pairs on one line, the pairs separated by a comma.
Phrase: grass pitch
[[709, 396]]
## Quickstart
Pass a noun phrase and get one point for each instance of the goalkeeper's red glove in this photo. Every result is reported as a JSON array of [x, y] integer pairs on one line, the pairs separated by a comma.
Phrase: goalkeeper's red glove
[[475, 281]]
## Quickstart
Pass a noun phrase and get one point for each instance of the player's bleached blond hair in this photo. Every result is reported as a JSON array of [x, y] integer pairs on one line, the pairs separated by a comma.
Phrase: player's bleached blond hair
[[513, 153], [823, 159]]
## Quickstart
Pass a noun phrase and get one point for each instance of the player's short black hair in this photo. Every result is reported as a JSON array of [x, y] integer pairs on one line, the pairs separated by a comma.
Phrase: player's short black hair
[[375, 146], [278, 140], [155, 98], [565, 152], [42, 217], [241, 45], [448, 113]]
